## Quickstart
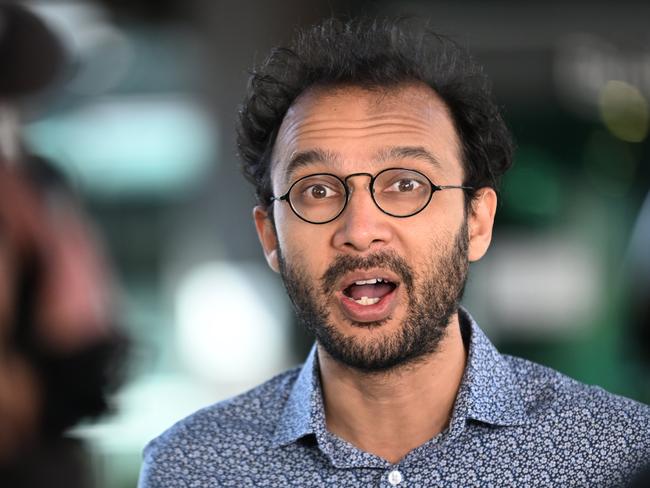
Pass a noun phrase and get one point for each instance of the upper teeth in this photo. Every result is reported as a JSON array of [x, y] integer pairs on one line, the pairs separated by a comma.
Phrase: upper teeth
[[371, 281]]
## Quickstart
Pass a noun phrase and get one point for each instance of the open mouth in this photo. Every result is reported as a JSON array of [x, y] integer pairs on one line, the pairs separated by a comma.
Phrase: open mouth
[[369, 291], [369, 295]]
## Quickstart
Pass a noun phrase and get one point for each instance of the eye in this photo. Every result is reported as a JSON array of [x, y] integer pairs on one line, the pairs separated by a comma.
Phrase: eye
[[404, 185], [318, 191]]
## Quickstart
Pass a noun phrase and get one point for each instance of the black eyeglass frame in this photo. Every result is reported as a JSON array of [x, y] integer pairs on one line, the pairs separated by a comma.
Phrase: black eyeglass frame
[[371, 188]]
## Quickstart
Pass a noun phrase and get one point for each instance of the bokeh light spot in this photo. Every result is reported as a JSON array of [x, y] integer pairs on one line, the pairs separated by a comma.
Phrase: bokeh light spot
[[624, 111], [228, 330]]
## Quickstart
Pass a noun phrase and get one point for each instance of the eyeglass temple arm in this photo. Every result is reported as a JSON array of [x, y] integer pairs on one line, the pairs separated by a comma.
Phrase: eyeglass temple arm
[[273, 198], [448, 187]]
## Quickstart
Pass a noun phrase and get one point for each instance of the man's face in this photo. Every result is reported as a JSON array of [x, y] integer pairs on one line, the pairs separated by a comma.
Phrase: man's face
[[411, 270]]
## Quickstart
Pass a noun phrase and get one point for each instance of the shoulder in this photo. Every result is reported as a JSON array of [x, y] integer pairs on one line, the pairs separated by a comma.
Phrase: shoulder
[[242, 423], [256, 410], [583, 415], [565, 432], [548, 392]]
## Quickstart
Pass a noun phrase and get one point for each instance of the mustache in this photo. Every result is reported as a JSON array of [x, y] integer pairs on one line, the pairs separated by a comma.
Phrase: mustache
[[344, 264]]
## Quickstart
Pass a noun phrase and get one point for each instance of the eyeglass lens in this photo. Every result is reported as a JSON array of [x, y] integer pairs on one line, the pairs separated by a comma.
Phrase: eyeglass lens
[[398, 192]]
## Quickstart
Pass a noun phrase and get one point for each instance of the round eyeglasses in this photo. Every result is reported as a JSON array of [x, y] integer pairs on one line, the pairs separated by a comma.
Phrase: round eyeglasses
[[398, 192]]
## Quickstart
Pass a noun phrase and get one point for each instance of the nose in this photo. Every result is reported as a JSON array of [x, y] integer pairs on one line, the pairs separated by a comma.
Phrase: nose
[[362, 226]]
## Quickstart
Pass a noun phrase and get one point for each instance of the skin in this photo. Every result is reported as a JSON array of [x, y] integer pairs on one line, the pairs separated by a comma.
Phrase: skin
[[392, 412]]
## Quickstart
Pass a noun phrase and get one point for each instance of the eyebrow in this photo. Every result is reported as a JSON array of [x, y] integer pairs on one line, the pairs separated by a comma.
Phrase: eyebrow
[[317, 155], [407, 152], [305, 158]]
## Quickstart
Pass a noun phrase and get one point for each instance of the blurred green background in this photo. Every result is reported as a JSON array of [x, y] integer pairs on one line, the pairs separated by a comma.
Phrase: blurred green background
[[143, 123]]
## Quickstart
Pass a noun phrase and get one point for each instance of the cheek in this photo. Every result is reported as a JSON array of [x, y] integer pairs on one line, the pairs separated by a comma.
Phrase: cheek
[[304, 246], [441, 220], [282, 219], [427, 246], [292, 233]]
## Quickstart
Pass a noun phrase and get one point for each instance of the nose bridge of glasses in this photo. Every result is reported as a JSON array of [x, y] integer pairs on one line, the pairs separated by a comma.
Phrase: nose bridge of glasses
[[350, 188]]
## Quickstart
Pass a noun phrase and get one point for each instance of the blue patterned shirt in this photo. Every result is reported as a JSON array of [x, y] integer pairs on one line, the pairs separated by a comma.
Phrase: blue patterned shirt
[[514, 423]]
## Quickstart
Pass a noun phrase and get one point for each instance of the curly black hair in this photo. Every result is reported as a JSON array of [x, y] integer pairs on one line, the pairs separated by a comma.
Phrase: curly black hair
[[374, 54]]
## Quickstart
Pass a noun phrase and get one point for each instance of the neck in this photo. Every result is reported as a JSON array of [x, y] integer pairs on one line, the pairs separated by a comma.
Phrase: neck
[[392, 413]]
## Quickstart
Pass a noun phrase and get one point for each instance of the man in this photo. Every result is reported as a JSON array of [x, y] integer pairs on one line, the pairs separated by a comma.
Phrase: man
[[376, 152]]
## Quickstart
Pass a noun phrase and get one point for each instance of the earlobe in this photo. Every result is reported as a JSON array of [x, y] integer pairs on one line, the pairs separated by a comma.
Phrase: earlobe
[[480, 223], [272, 260], [267, 236]]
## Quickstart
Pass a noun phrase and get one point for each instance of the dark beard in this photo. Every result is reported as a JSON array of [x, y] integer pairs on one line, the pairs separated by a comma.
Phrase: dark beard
[[429, 308]]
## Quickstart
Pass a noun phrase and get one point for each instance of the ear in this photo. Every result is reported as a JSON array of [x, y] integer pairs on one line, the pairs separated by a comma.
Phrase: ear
[[268, 239], [480, 221]]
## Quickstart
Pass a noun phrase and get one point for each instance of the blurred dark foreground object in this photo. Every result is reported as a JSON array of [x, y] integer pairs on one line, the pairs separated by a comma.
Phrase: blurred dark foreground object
[[57, 463], [61, 355], [31, 56], [642, 479]]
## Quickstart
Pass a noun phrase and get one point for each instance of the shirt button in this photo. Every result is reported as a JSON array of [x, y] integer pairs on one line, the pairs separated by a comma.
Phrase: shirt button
[[395, 477]]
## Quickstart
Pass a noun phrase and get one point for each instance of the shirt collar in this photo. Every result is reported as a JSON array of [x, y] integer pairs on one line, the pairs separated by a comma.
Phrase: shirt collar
[[302, 406], [488, 392]]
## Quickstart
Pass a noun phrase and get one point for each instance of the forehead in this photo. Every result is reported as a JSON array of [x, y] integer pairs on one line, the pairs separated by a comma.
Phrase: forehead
[[350, 128]]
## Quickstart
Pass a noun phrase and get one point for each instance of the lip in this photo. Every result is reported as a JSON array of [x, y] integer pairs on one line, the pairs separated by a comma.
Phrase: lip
[[367, 313]]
